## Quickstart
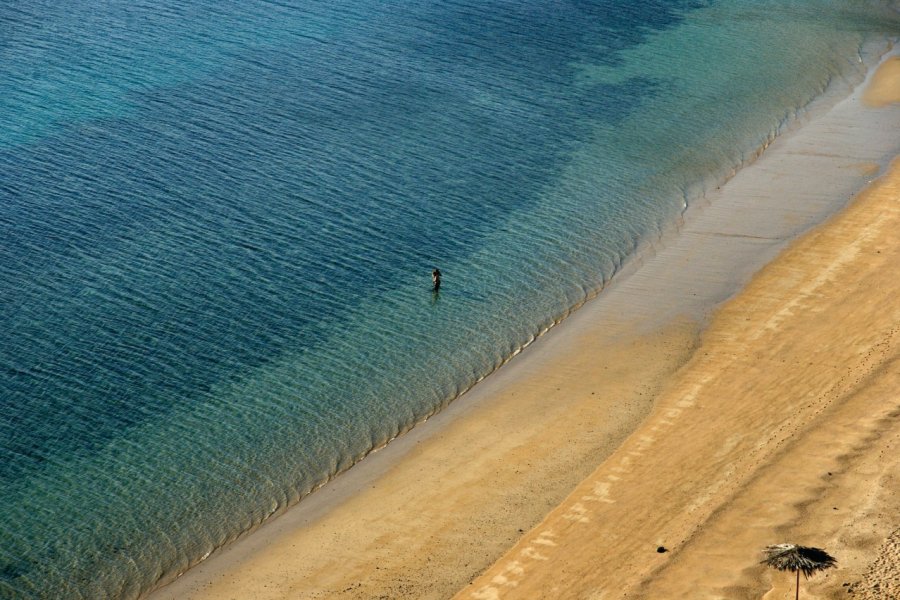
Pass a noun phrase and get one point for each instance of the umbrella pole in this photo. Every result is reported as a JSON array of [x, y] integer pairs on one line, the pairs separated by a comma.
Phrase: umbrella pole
[[797, 596]]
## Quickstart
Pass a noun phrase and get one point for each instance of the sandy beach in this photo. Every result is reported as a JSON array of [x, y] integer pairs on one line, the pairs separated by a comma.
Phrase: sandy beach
[[638, 424], [783, 427]]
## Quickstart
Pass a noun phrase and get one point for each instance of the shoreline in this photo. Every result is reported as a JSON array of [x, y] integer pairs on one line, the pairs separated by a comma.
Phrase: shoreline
[[783, 427], [621, 347]]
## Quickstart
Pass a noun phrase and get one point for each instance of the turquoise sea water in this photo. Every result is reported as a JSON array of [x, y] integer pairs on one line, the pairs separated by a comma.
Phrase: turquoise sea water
[[218, 222]]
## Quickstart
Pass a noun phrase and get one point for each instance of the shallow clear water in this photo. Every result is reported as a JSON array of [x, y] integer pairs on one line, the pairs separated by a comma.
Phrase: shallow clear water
[[218, 221]]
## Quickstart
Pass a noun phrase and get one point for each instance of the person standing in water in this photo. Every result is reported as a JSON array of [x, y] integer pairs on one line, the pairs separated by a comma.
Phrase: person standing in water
[[436, 280]]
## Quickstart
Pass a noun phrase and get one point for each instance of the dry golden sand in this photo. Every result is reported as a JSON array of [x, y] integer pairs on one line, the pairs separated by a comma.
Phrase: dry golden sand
[[784, 426], [883, 89]]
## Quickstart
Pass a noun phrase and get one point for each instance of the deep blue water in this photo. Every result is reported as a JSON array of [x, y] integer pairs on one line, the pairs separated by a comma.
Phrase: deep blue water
[[218, 221]]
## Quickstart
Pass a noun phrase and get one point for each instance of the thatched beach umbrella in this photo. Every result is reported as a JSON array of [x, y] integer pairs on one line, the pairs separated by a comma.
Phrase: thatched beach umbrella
[[798, 559]]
